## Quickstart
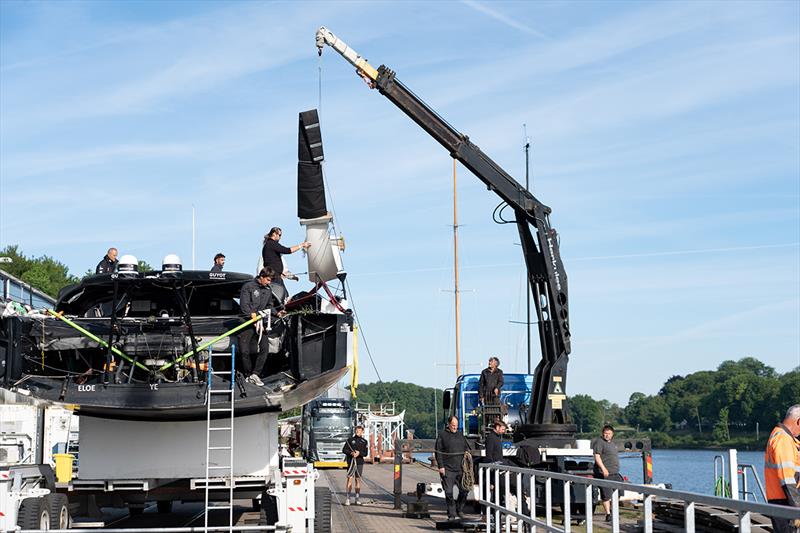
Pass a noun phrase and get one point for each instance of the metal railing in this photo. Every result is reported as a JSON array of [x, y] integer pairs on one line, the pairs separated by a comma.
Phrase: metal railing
[[194, 529], [520, 506]]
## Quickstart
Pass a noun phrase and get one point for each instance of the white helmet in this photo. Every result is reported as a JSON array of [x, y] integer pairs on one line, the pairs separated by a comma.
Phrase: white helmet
[[128, 266], [171, 263]]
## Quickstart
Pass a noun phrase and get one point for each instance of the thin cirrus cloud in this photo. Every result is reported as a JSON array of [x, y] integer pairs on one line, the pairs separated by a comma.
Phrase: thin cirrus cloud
[[496, 15]]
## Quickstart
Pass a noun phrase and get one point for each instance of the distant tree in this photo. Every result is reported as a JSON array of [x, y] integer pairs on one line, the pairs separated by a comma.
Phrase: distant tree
[[721, 431], [43, 273], [586, 413], [648, 412]]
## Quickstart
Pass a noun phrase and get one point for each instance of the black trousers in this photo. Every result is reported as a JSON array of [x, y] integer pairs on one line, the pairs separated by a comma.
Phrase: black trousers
[[450, 479], [781, 525], [247, 340]]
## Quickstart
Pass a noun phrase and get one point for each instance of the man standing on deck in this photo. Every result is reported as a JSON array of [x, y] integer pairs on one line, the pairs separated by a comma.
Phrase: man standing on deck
[[273, 250], [490, 383], [606, 465], [256, 295], [108, 264], [219, 262], [355, 449], [450, 449], [782, 466]]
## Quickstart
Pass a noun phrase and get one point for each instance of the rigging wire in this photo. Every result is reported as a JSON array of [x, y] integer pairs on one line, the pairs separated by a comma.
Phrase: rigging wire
[[364, 338]]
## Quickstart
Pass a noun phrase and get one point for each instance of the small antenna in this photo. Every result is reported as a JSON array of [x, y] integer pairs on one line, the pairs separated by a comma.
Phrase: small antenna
[[194, 238]]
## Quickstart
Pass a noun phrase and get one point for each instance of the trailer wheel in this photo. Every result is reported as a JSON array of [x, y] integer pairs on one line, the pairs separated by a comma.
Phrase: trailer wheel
[[33, 514], [164, 506], [269, 509], [322, 510], [58, 507]]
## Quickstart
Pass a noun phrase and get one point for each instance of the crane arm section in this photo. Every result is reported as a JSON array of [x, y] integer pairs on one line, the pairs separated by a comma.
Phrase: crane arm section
[[546, 273]]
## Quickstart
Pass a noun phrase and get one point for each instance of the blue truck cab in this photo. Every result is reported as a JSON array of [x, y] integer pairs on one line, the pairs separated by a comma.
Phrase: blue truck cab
[[462, 401]]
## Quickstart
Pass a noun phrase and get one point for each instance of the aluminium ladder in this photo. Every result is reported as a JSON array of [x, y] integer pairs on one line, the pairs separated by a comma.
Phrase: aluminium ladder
[[219, 435]]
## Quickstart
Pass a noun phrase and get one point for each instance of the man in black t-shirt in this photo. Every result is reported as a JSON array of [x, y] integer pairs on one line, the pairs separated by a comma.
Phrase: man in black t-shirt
[[273, 250], [606, 465], [355, 449]]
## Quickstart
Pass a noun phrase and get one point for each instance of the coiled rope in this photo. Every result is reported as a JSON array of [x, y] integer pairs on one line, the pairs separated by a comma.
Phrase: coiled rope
[[467, 474]]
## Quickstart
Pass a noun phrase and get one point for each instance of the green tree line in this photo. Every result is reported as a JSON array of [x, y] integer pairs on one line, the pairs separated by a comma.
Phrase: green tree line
[[44, 273], [710, 408]]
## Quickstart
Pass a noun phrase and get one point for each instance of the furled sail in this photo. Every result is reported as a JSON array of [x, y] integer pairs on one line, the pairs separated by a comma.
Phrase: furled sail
[[324, 259]]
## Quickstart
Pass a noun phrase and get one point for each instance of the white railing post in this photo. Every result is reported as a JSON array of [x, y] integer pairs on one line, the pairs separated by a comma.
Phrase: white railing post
[[589, 505], [744, 522], [548, 501], [507, 501], [689, 517], [533, 500], [733, 464], [615, 511], [497, 500], [567, 507], [648, 514], [488, 499]]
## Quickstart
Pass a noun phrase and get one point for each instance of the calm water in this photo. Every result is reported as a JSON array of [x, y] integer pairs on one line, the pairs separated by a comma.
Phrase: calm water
[[687, 470]]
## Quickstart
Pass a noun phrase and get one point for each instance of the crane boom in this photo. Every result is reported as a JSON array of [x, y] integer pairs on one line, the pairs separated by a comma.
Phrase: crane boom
[[548, 414]]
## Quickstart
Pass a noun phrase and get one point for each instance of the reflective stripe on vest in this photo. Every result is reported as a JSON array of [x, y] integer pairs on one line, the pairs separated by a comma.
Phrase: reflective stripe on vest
[[781, 463]]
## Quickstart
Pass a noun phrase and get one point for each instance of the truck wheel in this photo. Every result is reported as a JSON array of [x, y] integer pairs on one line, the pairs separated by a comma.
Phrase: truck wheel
[[269, 509], [164, 506], [33, 514], [58, 507], [322, 510]]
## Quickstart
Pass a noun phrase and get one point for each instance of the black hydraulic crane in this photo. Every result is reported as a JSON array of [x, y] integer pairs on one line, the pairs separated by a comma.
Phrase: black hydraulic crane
[[548, 416]]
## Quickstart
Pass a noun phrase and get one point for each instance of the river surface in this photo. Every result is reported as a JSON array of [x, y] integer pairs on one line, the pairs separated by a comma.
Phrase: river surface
[[686, 470]]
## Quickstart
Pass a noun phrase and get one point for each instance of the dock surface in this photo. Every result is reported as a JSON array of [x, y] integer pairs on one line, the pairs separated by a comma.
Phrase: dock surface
[[377, 512]]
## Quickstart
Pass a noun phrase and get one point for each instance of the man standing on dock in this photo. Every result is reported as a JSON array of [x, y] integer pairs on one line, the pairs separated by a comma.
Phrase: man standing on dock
[[355, 448], [606, 465], [450, 449], [782, 466]]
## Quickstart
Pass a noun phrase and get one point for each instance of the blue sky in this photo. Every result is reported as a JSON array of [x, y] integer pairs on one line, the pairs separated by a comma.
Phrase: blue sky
[[666, 138]]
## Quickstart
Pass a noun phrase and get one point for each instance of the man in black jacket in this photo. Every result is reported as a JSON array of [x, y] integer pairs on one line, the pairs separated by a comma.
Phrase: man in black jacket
[[491, 382], [108, 264], [494, 442], [450, 448], [355, 449], [273, 250], [255, 296]]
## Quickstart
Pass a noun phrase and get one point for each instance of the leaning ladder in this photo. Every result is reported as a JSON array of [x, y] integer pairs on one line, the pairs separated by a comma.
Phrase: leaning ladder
[[221, 471]]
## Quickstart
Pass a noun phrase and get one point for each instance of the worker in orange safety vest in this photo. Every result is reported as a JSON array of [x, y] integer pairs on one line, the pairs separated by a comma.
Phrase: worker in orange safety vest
[[782, 466]]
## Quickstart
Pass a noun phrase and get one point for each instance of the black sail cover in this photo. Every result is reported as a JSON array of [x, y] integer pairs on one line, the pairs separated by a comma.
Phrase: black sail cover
[[310, 187]]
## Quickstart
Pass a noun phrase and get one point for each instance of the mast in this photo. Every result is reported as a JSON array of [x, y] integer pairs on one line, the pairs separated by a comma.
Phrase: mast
[[527, 285], [455, 269]]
